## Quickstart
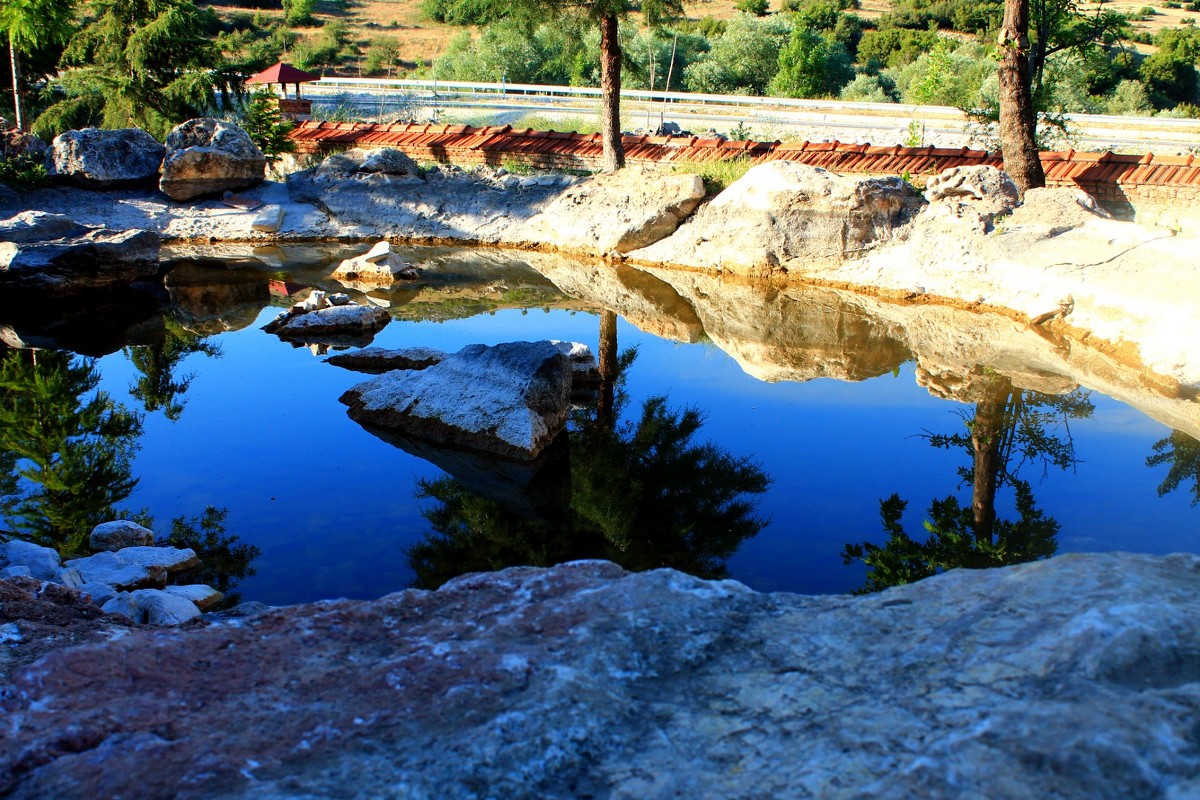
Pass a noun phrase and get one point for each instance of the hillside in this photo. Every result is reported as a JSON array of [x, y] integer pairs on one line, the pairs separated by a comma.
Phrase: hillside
[[417, 40]]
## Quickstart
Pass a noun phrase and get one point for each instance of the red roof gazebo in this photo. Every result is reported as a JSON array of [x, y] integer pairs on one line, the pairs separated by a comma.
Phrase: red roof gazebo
[[284, 74]]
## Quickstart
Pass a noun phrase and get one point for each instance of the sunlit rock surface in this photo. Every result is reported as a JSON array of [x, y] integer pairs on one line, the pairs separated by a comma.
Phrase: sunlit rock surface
[[618, 211], [102, 159], [1078, 677], [781, 210], [206, 156], [511, 399]]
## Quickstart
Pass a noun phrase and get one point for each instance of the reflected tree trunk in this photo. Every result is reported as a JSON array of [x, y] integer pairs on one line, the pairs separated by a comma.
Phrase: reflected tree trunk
[[991, 435], [607, 358], [15, 60]]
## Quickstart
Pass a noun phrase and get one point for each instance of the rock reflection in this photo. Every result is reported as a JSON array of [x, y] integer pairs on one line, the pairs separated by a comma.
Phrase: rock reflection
[[641, 492], [1009, 429]]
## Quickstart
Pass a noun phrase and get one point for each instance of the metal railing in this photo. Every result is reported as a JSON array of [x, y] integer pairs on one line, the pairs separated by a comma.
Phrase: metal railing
[[449, 89]]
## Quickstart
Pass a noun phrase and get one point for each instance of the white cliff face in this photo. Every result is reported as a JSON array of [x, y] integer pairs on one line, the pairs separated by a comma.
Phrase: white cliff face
[[1076, 677]]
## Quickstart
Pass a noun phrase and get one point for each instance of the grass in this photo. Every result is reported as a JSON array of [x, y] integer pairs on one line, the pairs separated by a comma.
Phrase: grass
[[717, 175]]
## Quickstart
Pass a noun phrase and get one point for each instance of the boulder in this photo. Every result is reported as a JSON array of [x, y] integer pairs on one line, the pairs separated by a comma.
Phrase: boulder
[[94, 259], [119, 534], [377, 268], [205, 597], [208, 157], [1068, 678], [618, 211], [42, 562], [152, 607], [360, 162], [100, 593], [781, 212], [172, 559], [378, 359], [332, 321], [511, 399], [111, 569], [977, 195], [104, 159], [38, 226]]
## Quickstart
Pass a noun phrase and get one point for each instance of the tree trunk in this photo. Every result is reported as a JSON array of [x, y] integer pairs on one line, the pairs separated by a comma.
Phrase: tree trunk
[[1018, 120], [610, 95], [16, 76], [605, 396]]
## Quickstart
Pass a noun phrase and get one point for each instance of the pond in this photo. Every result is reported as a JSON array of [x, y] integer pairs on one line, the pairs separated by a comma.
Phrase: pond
[[763, 433]]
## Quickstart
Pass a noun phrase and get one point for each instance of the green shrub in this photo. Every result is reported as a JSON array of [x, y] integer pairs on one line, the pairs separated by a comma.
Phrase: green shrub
[[23, 173], [756, 7], [261, 119]]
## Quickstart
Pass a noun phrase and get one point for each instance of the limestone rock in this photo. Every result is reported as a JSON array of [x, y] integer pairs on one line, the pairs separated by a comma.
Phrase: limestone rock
[[511, 399], [1068, 678], [377, 268], [152, 607], [16, 571], [103, 159], [581, 359], [115, 571], [100, 593], [204, 597], [618, 211], [977, 195], [781, 212], [42, 562], [172, 559], [205, 156], [38, 226], [118, 534], [268, 219], [335, 320], [96, 258], [378, 359]]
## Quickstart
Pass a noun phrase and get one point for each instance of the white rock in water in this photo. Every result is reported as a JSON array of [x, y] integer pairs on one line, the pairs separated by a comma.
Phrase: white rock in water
[[119, 533], [511, 399], [379, 270], [378, 252], [203, 596]]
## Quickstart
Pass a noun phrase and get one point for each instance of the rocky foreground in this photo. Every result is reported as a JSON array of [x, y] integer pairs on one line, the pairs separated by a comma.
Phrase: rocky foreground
[[1077, 677]]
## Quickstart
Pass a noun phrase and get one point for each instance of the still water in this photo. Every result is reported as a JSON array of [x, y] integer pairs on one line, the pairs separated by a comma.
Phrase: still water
[[814, 407]]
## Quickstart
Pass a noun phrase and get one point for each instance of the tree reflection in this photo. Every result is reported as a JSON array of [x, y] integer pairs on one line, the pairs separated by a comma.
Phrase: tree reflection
[[1010, 428], [1182, 453], [159, 387], [643, 494], [68, 447], [224, 562]]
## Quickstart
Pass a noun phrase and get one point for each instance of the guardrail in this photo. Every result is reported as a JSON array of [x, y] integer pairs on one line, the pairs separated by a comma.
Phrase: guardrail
[[440, 89]]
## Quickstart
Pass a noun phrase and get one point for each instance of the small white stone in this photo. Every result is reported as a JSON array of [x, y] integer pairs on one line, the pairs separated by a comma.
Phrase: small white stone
[[269, 219]]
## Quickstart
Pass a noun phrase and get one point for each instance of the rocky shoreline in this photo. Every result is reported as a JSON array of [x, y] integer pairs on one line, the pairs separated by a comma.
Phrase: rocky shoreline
[[970, 241]]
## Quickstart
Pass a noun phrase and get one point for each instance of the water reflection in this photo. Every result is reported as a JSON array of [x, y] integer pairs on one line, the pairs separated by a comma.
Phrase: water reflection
[[1182, 453], [70, 447], [161, 387], [642, 493], [1010, 429]]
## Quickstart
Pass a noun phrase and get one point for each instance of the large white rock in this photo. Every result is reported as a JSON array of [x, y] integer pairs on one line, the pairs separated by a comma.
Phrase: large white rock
[[152, 607], [42, 562], [511, 399], [118, 534], [333, 321], [205, 156], [205, 597], [101, 159], [134, 567], [618, 211], [378, 267], [780, 212]]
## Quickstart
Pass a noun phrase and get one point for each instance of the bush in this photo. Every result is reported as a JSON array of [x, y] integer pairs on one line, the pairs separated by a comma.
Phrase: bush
[[23, 173], [756, 7], [743, 60], [869, 89], [1130, 98], [811, 65]]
